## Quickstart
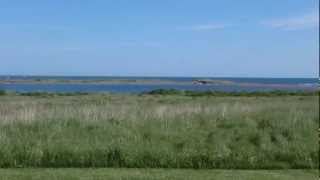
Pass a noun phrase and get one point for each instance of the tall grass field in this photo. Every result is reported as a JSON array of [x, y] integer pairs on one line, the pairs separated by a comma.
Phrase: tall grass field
[[159, 131]]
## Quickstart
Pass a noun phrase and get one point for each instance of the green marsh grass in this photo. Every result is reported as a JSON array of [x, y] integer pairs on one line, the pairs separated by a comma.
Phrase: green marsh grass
[[159, 131]]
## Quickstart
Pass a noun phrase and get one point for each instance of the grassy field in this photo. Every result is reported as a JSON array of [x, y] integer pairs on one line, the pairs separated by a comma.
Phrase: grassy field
[[158, 131], [155, 174]]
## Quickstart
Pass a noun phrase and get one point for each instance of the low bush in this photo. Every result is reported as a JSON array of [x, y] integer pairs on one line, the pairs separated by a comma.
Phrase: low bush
[[2, 92]]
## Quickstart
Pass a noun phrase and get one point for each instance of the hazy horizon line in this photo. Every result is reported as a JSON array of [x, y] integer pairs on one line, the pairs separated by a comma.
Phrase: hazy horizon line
[[160, 76]]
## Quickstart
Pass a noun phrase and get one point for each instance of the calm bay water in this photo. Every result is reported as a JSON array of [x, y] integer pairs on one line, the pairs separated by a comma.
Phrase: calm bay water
[[281, 84]]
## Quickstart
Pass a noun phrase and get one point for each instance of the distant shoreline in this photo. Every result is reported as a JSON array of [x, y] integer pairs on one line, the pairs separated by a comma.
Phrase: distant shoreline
[[149, 81], [106, 81]]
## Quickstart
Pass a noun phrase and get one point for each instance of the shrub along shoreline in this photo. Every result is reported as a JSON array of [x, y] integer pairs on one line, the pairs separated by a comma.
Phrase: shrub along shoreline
[[234, 93], [176, 92]]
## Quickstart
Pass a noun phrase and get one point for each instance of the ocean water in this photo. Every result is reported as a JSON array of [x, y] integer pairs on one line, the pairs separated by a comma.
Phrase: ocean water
[[269, 84]]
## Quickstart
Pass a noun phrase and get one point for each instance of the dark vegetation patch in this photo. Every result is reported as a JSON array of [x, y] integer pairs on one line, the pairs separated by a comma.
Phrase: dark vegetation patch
[[2, 92], [52, 94], [222, 93], [187, 93]]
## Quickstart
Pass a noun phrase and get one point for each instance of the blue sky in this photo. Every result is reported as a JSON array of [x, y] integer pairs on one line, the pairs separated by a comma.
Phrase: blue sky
[[225, 38]]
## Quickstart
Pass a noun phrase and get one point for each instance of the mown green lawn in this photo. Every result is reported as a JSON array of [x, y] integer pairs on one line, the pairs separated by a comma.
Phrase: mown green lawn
[[155, 174]]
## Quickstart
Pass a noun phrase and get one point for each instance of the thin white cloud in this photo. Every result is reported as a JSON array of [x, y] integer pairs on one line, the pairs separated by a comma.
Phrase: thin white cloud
[[208, 27], [305, 21]]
